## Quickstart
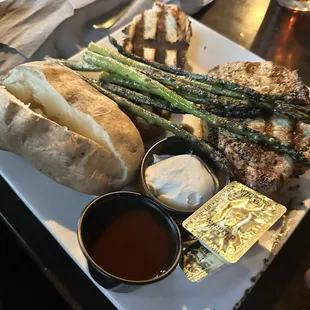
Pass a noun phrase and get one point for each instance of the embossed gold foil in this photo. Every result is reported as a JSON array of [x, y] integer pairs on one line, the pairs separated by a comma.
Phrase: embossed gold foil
[[233, 220], [199, 263]]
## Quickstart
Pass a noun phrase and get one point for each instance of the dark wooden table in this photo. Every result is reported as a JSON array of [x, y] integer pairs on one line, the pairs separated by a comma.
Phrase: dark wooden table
[[265, 28], [258, 25]]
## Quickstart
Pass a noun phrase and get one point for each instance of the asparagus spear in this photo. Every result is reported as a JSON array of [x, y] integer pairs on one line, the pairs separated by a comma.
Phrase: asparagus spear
[[153, 118], [200, 96], [139, 98], [75, 65], [116, 79], [221, 110], [157, 102], [190, 91], [208, 79], [113, 66], [180, 80], [232, 107], [184, 84], [292, 111], [223, 106], [182, 72], [194, 94]]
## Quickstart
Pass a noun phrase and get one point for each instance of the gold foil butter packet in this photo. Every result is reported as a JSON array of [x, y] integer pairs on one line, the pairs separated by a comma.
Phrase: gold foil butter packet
[[233, 220], [199, 263]]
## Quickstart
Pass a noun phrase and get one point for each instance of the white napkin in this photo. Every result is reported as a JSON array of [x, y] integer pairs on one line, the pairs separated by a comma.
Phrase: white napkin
[[26, 24], [31, 29]]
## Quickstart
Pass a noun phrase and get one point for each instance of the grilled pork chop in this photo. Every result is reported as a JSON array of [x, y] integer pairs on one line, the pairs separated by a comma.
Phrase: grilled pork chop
[[255, 165], [161, 34]]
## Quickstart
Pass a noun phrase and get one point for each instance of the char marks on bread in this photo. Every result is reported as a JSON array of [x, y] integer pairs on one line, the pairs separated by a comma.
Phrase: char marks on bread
[[161, 34]]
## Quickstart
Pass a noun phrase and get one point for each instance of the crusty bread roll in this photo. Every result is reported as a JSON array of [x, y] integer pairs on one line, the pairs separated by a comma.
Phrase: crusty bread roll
[[70, 132]]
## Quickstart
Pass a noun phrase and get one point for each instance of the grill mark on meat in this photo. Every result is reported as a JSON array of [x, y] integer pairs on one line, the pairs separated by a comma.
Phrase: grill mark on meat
[[270, 130], [294, 141], [212, 134], [298, 138], [269, 78], [292, 133], [274, 72], [302, 138], [215, 135], [268, 126], [252, 67]]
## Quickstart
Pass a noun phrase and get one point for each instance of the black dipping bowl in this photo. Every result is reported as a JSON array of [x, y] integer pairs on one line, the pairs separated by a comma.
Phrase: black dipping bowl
[[99, 213], [177, 146]]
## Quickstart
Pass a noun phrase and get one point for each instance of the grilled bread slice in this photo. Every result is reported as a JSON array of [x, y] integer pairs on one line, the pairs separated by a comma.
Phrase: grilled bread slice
[[161, 34], [257, 166]]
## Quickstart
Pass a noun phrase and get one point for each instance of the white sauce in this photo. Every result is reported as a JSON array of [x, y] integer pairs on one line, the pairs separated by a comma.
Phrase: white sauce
[[182, 182]]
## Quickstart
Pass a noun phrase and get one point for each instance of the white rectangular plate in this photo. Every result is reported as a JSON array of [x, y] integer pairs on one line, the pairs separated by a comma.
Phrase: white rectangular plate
[[59, 208]]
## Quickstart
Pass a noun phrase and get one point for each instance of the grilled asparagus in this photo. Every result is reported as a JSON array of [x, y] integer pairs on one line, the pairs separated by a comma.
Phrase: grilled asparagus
[[113, 66]]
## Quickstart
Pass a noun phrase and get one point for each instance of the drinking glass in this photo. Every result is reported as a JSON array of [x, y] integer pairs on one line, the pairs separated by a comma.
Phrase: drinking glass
[[296, 5]]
